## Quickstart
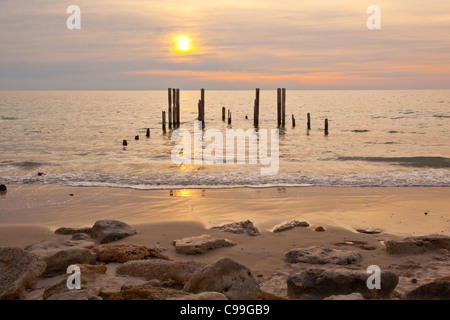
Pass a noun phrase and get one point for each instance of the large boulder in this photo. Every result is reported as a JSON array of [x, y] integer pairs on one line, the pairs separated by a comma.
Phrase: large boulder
[[320, 283], [105, 231], [58, 254], [72, 231], [226, 276], [318, 255], [243, 227], [180, 271], [19, 270], [291, 225], [200, 244], [436, 290], [126, 252], [418, 244]]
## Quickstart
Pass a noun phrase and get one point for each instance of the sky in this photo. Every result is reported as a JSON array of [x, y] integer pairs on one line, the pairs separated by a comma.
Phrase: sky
[[232, 44]]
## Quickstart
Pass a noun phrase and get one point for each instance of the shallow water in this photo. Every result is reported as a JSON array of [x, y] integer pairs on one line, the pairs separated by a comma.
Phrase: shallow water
[[377, 138]]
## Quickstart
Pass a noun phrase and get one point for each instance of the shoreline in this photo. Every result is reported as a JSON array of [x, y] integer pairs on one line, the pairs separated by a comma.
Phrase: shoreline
[[31, 213]]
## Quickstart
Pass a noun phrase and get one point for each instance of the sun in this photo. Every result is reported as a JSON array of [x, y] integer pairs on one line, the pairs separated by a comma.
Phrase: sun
[[183, 44]]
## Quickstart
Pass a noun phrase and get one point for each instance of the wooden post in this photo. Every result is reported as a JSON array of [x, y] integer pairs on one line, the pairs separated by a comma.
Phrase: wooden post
[[164, 121], [148, 132], [278, 107], [199, 117], [174, 108], [202, 95], [170, 108], [256, 110], [223, 114], [229, 117], [283, 107], [309, 122], [293, 121], [178, 108], [326, 127], [124, 143]]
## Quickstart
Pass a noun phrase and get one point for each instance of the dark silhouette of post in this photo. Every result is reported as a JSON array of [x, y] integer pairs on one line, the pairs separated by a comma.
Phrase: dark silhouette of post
[[308, 125], [164, 121], [170, 108], [178, 108], [283, 107], [256, 110], [124, 143], [293, 121], [223, 114], [148, 132], [326, 127], [278, 107], [202, 98], [174, 107], [229, 117]]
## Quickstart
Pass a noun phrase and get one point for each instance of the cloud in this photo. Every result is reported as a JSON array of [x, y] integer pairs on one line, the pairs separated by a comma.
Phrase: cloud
[[250, 43]]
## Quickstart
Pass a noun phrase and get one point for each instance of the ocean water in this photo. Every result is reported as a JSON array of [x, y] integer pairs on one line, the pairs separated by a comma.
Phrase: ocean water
[[377, 138]]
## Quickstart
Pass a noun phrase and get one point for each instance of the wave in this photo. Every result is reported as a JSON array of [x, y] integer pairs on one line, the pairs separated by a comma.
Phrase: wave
[[416, 177], [419, 162]]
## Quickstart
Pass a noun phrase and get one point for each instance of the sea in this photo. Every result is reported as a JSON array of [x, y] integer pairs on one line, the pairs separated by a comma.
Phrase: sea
[[383, 138]]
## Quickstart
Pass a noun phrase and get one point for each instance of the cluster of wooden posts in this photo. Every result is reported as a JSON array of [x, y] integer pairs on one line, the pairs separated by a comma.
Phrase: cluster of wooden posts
[[174, 111]]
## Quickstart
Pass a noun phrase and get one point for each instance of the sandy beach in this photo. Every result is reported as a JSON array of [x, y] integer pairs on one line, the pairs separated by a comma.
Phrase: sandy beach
[[31, 213]]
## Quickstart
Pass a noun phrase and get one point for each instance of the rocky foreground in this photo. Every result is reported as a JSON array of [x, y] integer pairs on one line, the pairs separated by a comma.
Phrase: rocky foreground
[[129, 272]]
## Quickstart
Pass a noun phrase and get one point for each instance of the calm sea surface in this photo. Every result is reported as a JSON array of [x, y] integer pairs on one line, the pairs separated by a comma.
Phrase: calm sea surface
[[377, 138]]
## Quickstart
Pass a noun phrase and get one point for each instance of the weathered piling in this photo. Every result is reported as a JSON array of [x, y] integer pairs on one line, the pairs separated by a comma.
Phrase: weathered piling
[[124, 143], [169, 111], [308, 125], [256, 110], [174, 107], [147, 134], [278, 107], [164, 122], [178, 108], [293, 121], [202, 107], [326, 127], [283, 107], [223, 114], [136, 138], [229, 117]]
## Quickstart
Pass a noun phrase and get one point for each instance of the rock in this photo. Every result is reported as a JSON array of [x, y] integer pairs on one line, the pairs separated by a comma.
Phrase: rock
[[58, 254], [19, 270], [80, 236], [89, 274], [3, 188], [319, 229], [370, 230], [226, 276], [239, 227], [291, 225], [436, 290], [201, 244], [418, 244], [111, 230], [160, 269], [71, 231], [146, 292], [82, 294], [320, 283], [126, 252], [317, 255], [203, 296], [353, 296]]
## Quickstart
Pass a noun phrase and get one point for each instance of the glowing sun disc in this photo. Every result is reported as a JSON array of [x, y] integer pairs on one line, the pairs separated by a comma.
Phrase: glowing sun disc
[[183, 43]]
